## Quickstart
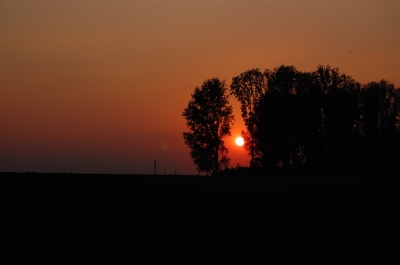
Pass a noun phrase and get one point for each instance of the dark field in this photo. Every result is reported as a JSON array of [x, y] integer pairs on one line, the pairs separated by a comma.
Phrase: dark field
[[200, 220]]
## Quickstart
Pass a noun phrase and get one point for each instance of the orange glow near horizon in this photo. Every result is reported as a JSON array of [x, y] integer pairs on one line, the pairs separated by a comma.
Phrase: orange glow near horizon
[[100, 86]]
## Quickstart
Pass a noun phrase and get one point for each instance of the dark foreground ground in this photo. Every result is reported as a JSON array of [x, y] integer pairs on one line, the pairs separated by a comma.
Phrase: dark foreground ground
[[200, 220]]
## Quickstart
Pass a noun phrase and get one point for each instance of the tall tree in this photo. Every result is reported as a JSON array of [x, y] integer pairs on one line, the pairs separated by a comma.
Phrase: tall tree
[[209, 118], [283, 118], [304, 117], [248, 88], [339, 100], [379, 117]]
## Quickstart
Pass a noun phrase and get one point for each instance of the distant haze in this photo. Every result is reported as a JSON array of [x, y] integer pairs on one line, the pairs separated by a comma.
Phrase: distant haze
[[99, 86]]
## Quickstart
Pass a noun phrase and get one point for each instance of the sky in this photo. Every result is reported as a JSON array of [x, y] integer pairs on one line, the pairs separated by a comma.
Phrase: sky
[[99, 86]]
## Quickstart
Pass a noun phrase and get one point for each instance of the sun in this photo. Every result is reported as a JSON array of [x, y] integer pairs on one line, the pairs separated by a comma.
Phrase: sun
[[239, 141]]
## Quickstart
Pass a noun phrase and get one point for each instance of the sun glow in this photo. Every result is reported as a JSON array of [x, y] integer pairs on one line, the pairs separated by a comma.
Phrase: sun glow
[[239, 141]]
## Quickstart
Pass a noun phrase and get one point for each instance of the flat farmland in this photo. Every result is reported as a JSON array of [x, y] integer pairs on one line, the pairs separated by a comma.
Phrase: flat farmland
[[200, 219]]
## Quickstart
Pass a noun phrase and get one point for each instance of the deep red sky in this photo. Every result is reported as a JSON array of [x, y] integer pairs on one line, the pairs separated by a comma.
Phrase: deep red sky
[[98, 86]]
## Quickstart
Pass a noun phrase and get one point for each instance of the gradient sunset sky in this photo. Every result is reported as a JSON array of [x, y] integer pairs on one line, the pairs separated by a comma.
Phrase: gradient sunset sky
[[99, 86]]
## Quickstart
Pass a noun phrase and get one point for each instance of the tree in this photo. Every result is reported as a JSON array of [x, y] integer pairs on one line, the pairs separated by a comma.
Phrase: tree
[[306, 117], [209, 118], [248, 88], [339, 100], [282, 118], [379, 117]]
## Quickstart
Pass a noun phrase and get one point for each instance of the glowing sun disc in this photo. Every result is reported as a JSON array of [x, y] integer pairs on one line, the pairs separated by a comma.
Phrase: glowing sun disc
[[239, 141]]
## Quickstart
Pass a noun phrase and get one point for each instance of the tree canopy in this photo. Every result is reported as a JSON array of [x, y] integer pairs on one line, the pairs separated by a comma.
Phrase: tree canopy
[[248, 88], [326, 118], [320, 119], [209, 119]]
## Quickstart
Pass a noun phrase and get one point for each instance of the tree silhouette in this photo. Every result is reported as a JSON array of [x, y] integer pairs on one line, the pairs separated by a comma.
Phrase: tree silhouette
[[379, 118], [306, 117], [321, 121], [282, 118], [248, 88], [339, 100], [209, 118]]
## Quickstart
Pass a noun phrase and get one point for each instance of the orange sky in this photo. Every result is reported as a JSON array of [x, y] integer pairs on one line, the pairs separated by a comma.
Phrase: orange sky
[[98, 86]]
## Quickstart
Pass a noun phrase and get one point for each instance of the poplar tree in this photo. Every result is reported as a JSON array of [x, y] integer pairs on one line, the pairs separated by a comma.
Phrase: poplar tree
[[248, 88]]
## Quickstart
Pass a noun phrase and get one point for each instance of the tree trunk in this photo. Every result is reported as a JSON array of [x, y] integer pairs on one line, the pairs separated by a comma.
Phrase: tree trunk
[[216, 170]]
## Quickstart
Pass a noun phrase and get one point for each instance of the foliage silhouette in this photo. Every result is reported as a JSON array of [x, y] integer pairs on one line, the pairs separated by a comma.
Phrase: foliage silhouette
[[379, 119], [209, 118], [248, 88], [325, 118], [321, 121], [284, 117]]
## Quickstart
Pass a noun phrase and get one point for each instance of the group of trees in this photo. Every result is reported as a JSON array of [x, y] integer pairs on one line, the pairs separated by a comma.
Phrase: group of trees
[[296, 118]]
